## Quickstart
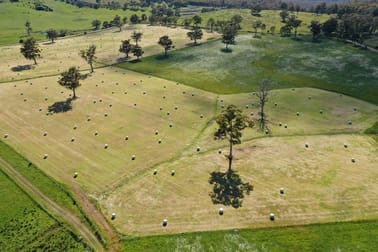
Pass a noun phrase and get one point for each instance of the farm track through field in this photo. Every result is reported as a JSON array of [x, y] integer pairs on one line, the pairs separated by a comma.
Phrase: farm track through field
[[69, 217]]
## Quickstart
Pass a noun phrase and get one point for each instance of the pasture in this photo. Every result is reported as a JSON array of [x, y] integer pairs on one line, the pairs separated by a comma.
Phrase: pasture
[[327, 65], [24, 225]]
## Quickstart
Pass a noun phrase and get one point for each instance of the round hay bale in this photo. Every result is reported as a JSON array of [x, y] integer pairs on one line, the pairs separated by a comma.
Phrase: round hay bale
[[170, 125], [306, 145], [252, 114], [297, 113], [22, 94], [280, 124], [222, 106], [45, 133], [353, 160], [72, 139], [266, 131], [6, 135], [125, 92], [100, 100], [285, 126], [219, 151], [75, 175], [113, 216], [184, 92], [198, 149], [75, 127], [96, 85], [159, 141], [354, 109], [25, 99], [201, 116], [110, 105], [45, 156], [144, 92], [112, 92], [106, 114], [126, 138], [40, 109], [246, 106], [96, 133], [164, 97], [135, 104], [116, 83], [173, 172], [156, 132], [164, 87], [282, 190], [221, 211], [165, 222], [309, 97], [168, 113], [272, 217], [46, 98], [293, 89], [155, 172], [321, 111], [133, 157], [275, 104], [160, 108], [193, 94], [345, 146], [349, 122], [106, 146], [176, 108], [94, 101]]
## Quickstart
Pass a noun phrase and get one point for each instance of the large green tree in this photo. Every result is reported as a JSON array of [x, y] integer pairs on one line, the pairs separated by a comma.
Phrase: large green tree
[[51, 34], [137, 37], [262, 95], [30, 50], [137, 51], [89, 55], [71, 79], [210, 24], [195, 34], [294, 22], [229, 33], [166, 43], [315, 28], [96, 24], [231, 122], [126, 47]]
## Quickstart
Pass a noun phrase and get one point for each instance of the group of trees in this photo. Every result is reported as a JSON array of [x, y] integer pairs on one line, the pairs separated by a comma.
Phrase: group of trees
[[291, 23], [127, 47]]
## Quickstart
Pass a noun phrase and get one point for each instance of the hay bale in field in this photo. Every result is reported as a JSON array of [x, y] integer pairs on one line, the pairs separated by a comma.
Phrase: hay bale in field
[[40, 109], [106, 146], [221, 211], [349, 122], [45, 133], [159, 141], [164, 97], [126, 138], [125, 92], [106, 114], [275, 104], [251, 113], [25, 99], [280, 124], [266, 131], [113, 216], [45, 156], [170, 125], [321, 111], [193, 94], [164, 86], [354, 109], [75, 127], [156, 132], [94, 101], [21, 94], [176, 108], [297, 113], [135, 104], [272, 217], [96, 133], [246, 106], [160, 108], [133, 157], [219, 151], [173, 172], [155, 172], [144, 92], [345, 146], [168, 113], [165, 222], [353, 160], [100, 100], [282, 190], [201, 116], [6, 135], [72, 139], [309, 97], [306, 145], [112, 92], [110, 105], [198, 149], [46, 98], [75, 175]]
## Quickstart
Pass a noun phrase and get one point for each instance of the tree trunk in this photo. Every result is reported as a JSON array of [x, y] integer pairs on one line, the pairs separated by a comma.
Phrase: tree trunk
[[35, 61], [262, 118], [91, 67], [230, 157], [165, 52], [74, 94]]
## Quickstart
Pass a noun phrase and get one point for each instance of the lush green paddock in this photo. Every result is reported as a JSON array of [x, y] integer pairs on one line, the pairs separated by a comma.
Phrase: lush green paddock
[[64, 17], [328, 65], [348, 236], [25, 226]]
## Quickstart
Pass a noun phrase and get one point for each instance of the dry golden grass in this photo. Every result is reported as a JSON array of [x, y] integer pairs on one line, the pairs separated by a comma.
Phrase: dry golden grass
[[64, 53]]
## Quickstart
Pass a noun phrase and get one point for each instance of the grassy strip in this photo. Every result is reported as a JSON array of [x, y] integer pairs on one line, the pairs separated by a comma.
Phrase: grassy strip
[[54, 190], [373, 129], [348, 236]]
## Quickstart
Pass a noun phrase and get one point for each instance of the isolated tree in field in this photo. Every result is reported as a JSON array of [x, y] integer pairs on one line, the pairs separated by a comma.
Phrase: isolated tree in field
[[294, 23], [96, 24], [137, 37], [137, 51], [28, 27], [134, 19], [166, 43], [197, 20], [117, 22], [89, 55], [256, 25], [30, 50], [126, 47], [210, 24], [228, 35], [262, 95], [195, 34], [284, 14], [231, 122], [71, 79], [315, 28], [52, 34], [263, 28], [236, 20]]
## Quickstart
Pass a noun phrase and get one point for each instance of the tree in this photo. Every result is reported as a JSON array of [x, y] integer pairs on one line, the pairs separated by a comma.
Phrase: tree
[[228, 35], [255, 10], [230, 124], [52, 35], [262, 95], [28, 27], [329, 26], [294, 23], [105, 25], [134, 19], [256, 25], [236, 20], [210, 24], [285, 30], [166, 43], [197, 20], [96, 24], [117, 22], [284, 14], [136, 36], [315, 29], [71, 79], [272, 29], [126, 47], [195, 34], [89, 55], [30, 50], [137, 51]]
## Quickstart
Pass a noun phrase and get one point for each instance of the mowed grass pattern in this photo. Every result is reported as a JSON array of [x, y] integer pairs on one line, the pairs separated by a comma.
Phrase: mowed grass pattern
[[327, 65]]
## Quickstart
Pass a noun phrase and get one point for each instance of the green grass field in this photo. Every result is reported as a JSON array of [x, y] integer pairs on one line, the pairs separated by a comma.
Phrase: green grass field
[[287, 63], [350, 236], [24, 225], [64, 17]]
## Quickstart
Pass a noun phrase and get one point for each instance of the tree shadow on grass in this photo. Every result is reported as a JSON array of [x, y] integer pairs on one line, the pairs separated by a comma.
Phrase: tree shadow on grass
[[61, 106], [228, 188], [21, 68], [226, 50]]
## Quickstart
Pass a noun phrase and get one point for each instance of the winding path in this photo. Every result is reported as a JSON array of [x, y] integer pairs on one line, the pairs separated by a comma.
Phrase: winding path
[[52, 206]]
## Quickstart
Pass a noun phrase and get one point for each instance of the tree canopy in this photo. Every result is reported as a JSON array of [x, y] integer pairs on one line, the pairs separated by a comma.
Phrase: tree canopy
[[89, 55], [166, 43], [71, 79], [51, 34], [30, 50]]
